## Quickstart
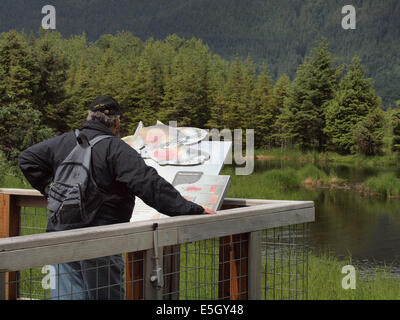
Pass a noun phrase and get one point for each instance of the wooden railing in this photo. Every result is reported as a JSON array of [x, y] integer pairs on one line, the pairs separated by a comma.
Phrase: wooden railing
[[239, 224]]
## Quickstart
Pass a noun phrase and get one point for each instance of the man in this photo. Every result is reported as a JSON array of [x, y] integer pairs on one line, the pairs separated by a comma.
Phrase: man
[[118, 170]]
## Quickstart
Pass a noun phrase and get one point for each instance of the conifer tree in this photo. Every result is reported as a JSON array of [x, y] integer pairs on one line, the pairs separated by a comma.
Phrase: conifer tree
[[305, 105], [176, 105], [217, 79], [368, 134], [20, 127], [52, 68], [353, 101], [396, 130], [280, 93], [248, 96], [185, 90], [80, 95], [142, 94], [237, 95], [265, 111], [17, 72]]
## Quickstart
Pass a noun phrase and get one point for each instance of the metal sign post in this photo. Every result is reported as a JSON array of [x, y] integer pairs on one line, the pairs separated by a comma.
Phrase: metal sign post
[[157, 276]]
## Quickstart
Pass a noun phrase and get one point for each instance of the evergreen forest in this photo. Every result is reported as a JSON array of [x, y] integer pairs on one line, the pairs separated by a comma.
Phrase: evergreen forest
[[47, 83]]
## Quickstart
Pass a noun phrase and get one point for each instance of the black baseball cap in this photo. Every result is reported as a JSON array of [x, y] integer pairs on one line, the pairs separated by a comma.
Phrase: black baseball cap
[[107, 105]]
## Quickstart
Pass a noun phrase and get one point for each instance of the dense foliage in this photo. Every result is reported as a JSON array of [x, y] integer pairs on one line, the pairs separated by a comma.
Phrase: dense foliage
[[396, 130], [353, 101], [47, 83], [282, 32]]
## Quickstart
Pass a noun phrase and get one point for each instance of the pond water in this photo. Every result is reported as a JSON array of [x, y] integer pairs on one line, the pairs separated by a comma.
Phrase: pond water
[[347, 224]]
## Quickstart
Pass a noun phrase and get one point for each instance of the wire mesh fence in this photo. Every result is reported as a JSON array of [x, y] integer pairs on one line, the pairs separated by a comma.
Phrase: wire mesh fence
[[207, 270], [191, 271], [202, 270], [27, 284], [93, 279], [285, 263], [32, 220]]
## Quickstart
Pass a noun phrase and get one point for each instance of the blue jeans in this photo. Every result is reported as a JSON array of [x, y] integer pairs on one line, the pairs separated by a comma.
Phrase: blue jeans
[[93, 279]]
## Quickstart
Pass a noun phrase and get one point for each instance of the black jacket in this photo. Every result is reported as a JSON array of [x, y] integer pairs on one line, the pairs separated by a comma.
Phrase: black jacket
[[116, 167]]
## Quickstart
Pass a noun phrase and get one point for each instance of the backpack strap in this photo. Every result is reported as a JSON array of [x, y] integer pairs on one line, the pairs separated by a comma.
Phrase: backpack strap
[[98, 139], [78, 138], [81, 138], [91, 142]]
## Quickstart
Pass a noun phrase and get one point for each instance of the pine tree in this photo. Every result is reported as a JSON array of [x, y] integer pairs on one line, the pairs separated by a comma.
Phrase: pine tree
[[353, 101], [265, 111], [52, 68], [175, 105], [280, 93], [217, 79], [238, 95], [396, 130], [248, 113], [80, 95], [142, 94], [20, 127], [18, 79], [186, 86], [313, 87], [368, 134]]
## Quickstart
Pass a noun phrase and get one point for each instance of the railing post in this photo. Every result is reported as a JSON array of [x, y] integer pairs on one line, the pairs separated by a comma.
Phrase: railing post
[[233, 267], [9, 227], [135, 275], [2, 286], [254, 277]]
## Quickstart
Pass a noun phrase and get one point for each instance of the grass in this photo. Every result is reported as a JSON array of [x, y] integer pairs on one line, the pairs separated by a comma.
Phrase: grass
[[10, 181], [386, 185], [199, 265], [325, 281], [324, 271], [272, 183], [199, 277], [388, 159], [277, 183]]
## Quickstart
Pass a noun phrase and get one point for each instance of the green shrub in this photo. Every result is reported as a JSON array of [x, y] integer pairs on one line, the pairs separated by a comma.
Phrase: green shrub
[[312, 172], [386, 184], [282, 179]]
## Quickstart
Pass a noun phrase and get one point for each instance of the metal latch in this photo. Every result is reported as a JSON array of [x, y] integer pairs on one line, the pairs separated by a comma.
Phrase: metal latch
[[157, 274]]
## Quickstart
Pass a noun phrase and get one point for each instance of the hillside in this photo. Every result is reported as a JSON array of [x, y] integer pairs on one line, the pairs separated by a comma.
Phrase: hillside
[[278, 31]]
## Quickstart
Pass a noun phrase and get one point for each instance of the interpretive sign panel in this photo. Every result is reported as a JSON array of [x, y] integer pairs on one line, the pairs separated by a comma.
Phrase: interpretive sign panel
[[218, 151], [207, 191]]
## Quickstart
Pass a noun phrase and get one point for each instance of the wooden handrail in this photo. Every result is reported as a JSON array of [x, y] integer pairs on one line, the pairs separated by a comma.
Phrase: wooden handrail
[[36, 250], [20, 192], [244, 217]]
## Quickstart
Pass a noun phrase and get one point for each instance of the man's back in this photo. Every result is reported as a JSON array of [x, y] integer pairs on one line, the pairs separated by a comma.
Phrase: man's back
[[117, 169], [122, 174]]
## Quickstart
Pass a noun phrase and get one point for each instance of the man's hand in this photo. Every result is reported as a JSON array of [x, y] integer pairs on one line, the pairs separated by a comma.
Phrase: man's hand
[[208, 211]]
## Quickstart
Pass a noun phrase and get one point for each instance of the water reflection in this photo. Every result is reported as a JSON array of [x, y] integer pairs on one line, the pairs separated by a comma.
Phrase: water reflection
[[346, 223]]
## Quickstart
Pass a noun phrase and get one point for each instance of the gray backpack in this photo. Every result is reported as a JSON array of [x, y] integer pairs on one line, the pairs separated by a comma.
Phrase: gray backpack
[[74, 197]]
